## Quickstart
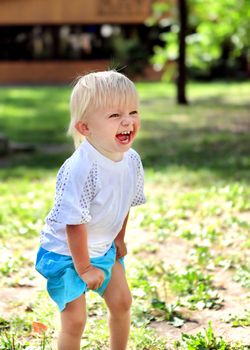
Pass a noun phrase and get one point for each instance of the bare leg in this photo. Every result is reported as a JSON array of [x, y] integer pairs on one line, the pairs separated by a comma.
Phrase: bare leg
[[73, 319], [118, 299]]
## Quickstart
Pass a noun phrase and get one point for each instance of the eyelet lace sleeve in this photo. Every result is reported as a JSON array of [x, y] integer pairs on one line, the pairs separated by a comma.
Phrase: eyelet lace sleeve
[[75, 190], [139, 197]]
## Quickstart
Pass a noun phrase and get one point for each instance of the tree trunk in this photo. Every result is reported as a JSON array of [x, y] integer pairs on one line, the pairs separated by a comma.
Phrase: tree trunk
[[4, 145], [181, 78]]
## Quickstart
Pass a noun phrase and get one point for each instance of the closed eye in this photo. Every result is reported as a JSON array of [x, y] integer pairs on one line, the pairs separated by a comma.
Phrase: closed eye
[[115, 115], [133, 113]]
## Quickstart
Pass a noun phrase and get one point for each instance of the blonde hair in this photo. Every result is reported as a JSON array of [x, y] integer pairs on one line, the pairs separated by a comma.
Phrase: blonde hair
[[98, 90]]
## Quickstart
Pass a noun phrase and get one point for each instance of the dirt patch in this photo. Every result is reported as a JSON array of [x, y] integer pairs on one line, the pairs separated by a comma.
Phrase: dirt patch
[[235, 302], [236, 298], [15, 298], [18, 298], [228, 333]]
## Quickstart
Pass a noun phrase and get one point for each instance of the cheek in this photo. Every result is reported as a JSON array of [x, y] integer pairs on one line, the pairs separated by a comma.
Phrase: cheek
[[138, 123]]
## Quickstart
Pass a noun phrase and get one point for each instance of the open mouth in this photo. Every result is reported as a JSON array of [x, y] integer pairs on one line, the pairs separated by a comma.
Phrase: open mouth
[[124, 137]]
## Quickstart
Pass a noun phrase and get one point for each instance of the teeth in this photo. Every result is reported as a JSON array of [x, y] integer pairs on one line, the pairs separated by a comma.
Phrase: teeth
[[125, 132]]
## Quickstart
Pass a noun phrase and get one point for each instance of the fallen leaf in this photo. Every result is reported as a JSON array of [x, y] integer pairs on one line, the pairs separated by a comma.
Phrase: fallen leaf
[[39, 327]]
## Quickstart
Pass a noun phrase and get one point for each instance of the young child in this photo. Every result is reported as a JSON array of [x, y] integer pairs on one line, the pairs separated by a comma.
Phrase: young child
[[82, 241]]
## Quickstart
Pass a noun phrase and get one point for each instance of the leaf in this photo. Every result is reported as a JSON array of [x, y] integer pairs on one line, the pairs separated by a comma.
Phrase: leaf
[[39, 327], [177, 322]]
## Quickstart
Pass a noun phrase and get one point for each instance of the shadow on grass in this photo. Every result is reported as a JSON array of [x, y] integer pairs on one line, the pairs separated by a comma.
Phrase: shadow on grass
[[198, 102], [41, 114], [224, 153], [221, 148]]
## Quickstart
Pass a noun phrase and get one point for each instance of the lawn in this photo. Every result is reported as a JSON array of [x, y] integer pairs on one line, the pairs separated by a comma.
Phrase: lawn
[[188, 246]]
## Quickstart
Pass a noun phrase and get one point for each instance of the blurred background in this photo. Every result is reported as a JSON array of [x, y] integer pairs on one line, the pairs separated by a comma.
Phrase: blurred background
[[52, 42], [46, 41]]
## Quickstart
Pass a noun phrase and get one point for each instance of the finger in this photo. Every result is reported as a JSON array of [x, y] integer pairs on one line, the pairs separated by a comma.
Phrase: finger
[[97, 286], [94, 287], [119, 254], [99, 283]]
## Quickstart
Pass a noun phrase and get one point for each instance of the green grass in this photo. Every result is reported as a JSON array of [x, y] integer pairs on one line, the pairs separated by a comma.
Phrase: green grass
[[205, 340], [36, 115], [196, 162]]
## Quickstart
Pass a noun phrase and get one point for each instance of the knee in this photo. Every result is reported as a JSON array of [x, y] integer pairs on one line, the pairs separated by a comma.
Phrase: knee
[[121, 305], [78, 325], [74, 326]]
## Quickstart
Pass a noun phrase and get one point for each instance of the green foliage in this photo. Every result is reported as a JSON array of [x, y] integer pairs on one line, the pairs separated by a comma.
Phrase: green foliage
[[195, 287], [144, 338], [242, 276], [9, 342], [10, 264], [131, 54], [205, 340], [99, 338], [239, 320], [168, 313], [15, 334], [148, 286], [213, 29]]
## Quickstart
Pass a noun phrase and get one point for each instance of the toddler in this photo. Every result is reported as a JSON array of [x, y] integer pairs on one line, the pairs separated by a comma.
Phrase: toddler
[[82, 241]]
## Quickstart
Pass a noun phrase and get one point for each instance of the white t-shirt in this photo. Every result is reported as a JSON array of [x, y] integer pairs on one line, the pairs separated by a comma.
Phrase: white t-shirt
[[93, 190]]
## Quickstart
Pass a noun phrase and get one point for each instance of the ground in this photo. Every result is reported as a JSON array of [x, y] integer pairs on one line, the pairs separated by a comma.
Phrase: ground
[[235, 298]]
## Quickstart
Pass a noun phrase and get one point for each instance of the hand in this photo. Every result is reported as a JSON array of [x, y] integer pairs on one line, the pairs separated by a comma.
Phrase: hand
[[121, 249], [93, 277]]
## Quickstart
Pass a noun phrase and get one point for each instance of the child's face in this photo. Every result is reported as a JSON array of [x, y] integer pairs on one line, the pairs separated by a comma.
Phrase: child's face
[[112, 130]]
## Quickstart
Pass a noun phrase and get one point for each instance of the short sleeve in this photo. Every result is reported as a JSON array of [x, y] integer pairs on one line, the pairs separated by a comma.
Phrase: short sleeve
[[75, 189], [139, 197]]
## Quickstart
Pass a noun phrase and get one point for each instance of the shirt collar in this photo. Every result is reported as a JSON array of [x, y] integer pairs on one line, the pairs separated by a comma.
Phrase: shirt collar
[[100, 158]]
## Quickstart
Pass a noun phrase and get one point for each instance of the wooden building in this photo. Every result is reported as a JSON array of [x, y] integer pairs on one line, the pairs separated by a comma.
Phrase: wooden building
[[53, 41]]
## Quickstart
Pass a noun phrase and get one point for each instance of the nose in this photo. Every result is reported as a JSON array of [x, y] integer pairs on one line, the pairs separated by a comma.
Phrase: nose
[[126, 120]]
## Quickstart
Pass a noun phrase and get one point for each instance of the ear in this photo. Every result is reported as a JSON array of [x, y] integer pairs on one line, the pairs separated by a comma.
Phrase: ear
[[82, 128]]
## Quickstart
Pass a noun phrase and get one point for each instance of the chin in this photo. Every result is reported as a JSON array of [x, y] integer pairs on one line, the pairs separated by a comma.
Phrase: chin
[[124, 147]]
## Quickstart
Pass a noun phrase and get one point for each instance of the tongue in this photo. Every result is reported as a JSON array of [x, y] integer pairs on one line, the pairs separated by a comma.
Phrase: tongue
[[122, 137]]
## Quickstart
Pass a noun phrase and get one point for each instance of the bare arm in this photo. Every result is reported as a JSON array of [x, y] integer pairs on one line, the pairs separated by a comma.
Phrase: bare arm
[[78, 245], [121, 249]]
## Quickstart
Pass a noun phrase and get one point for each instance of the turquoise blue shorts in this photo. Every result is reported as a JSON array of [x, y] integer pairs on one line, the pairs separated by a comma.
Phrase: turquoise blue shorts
[[63, 282]]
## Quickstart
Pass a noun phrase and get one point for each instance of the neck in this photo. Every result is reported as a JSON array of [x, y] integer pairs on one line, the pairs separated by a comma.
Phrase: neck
[[115, 157]]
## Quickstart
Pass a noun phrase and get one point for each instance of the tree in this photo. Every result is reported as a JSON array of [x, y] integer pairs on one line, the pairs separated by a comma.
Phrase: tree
[[212, 28], [181, 76]]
